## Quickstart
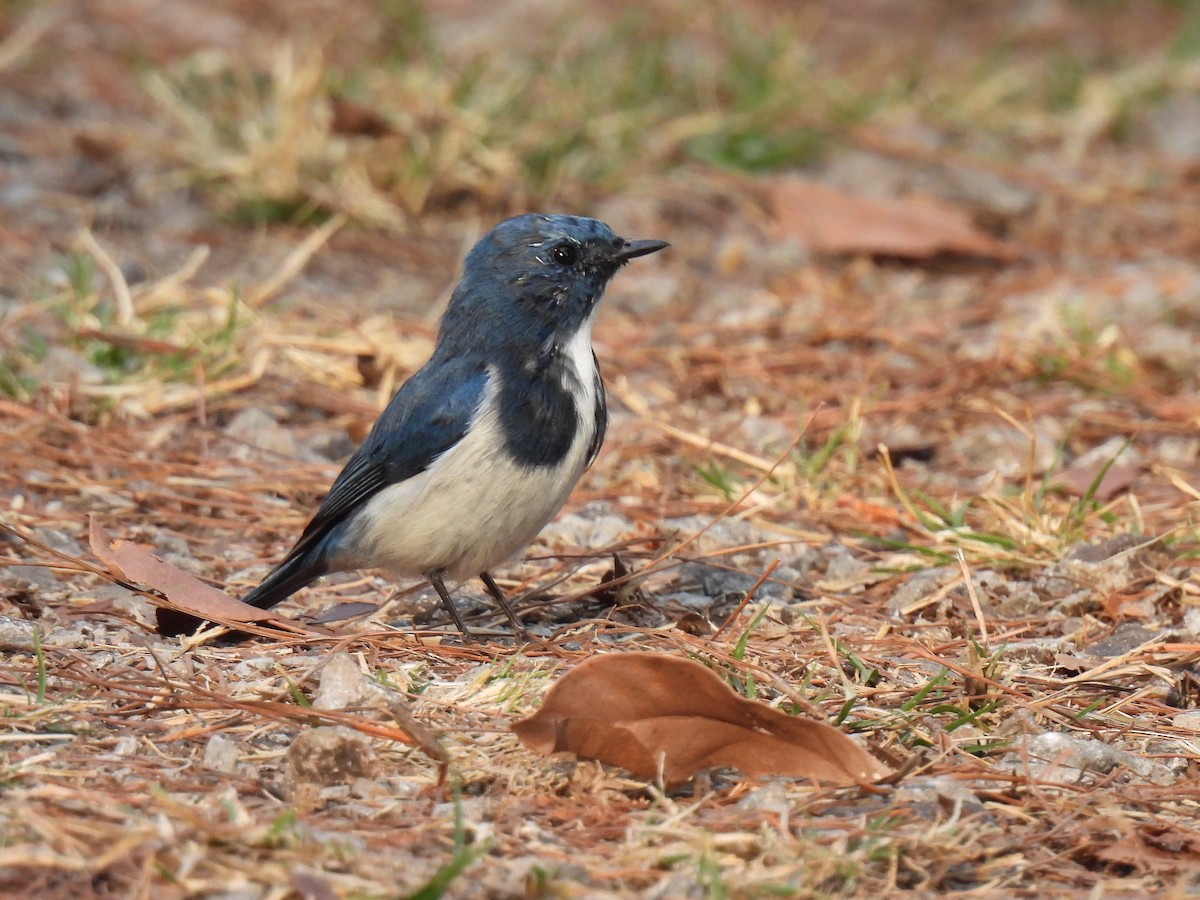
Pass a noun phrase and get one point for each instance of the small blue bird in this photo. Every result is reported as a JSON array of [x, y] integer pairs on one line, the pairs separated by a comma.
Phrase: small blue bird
[[480, 448]]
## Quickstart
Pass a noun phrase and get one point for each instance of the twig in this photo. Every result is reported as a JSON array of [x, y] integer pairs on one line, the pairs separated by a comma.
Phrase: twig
[[126, 315], [294, 262], [746, 599], [636, 404]]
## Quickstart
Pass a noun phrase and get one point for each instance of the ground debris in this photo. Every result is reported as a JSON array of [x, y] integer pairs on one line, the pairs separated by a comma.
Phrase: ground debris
[[930, 481]]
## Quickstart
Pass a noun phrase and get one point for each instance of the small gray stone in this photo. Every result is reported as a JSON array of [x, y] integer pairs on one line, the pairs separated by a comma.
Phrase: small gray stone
[[1188, 721], [592, 526], [221, 754], [720, 535], [782, 584], [126, 745], [1191, 621], [1178, 450], [1017, 599], [808, 559], [174, 544], [1076, 604], [258, 434], [919, 586], [692, 600], [60, 541], [936, 797], [1067, 758], [1124, 638], [332, 447], [1078, 752], [841, 564], [771, 797], [1115, 450], [254, 667], [16, 632], [342, 684], [27, 579], [713, 580], [1102, 550], [77, 635], [766, 433], [1041, 651], [1054, 587], [330, 755], [1107, 567], [1003, 449]]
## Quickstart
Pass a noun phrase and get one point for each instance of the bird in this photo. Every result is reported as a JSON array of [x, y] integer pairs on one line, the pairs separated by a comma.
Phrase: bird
[[479, 449]]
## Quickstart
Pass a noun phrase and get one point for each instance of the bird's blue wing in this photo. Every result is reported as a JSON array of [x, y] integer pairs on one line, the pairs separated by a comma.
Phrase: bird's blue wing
[[428, 415]]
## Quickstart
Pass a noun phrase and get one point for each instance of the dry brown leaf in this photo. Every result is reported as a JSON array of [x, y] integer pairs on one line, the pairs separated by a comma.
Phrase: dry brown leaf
[[827, 220], [655, 715], [188, 598], [1153, 850], [1078, 480]]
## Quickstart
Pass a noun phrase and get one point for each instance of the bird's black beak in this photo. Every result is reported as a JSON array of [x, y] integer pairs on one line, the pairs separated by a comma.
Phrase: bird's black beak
[[631, 249]]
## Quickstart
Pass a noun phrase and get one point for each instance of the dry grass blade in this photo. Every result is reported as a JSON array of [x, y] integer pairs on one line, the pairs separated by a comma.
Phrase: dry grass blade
[[126, 314], [295, 262], [21, 40]]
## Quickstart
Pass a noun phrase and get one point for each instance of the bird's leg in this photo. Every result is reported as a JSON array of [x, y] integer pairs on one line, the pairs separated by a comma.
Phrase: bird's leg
[[435, 578], [498, 595]]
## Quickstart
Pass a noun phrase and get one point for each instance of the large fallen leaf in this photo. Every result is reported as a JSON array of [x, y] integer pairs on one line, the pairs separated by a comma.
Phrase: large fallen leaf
[[827, 220], [658, 715], [189, 601]]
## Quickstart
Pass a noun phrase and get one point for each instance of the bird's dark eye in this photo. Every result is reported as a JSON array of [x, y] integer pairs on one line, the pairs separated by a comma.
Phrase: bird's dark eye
[[565, 254]]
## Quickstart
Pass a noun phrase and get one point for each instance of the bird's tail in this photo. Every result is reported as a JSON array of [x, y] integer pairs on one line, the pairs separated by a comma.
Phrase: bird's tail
[[288, 577]]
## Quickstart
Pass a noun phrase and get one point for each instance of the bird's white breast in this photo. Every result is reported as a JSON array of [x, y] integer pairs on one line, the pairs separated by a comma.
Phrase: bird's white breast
[[475, 506], [582, 361]]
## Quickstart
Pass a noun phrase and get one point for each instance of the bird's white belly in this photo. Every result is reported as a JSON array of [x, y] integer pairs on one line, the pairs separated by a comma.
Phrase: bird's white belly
[[473, 508]]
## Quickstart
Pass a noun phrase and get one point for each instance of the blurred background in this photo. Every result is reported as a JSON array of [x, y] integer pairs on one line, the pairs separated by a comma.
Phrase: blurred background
[[171, 118], [890, 218]]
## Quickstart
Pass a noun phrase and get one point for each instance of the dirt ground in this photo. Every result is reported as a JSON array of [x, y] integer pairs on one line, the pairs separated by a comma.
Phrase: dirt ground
[[904, 436]]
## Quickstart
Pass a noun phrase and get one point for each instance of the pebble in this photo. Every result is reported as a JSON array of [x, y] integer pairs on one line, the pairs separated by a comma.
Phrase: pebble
[[1061, 757], [934, 797], [221, 754], [714, 581], [328, 756], [342, 684], [16, 632], [257, 434]]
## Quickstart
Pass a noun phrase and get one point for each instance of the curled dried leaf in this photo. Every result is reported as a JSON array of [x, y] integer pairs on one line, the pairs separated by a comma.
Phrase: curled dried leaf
[[188, 601], [663, 717], [828, 220]]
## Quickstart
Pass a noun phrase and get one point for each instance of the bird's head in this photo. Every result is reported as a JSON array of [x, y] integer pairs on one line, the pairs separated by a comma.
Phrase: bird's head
[[535, 280]]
